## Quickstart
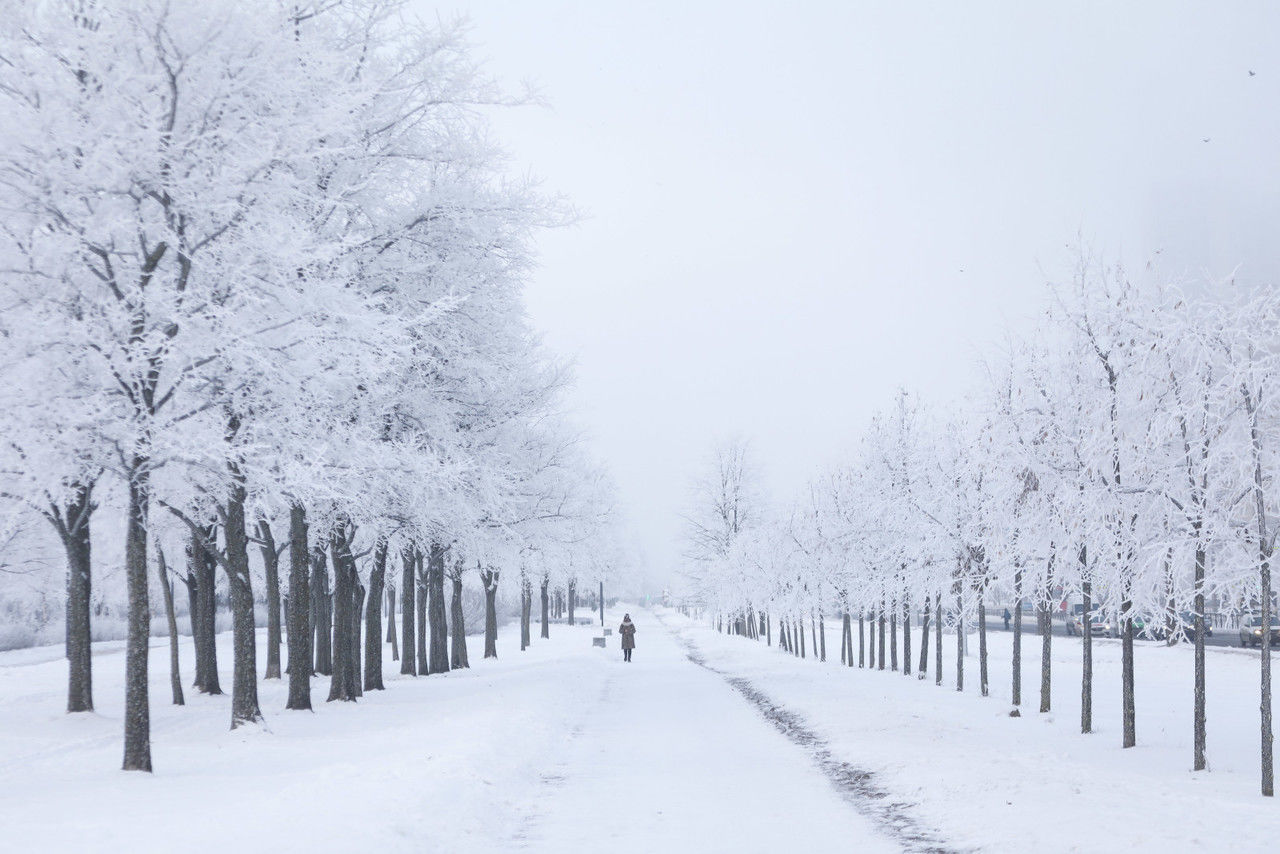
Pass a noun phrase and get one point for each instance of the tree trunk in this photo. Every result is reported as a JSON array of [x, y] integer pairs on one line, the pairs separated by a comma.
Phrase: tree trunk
[[1268, 767], [1200, 762], [800, 632], [923, 669], [937, 638], [845, 652], [392, 637], [435, 601], [1044, 623], [137, 704], [321, 612], [284, 618], [166, 588], [959, 641], [357, 610], [1017, 636], [906, 638], [373, 619], [72, 522], [880, 618], [1128, 715], [982, 641], [299, 612], [846, 633], [458, 647], [571, 596], [271, 569], [1086, 669], [526, 605], [490, 580], [546, 629], [424, 601], [244, 677], [341, 681], [1044, 620], [861, 658], [871, 640], [1264, 583], [202, 566], [408, 634], [893, 638]]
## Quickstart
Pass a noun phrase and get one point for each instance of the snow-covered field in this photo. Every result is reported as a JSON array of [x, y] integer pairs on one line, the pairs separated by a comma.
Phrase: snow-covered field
[[984, 779], [565, 747]]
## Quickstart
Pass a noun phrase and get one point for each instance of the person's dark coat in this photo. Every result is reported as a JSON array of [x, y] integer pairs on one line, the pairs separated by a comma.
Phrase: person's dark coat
[[628, 632]]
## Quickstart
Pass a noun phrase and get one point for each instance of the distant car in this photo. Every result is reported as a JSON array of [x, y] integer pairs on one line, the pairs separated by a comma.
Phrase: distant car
[[1098, 625], [1251, 630], [1074, 618], [1115, 627], [1187, 620], [1112, 628]]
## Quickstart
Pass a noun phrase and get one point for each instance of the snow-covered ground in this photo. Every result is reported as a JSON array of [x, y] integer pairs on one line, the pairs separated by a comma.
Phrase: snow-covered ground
[[960, 765], [561, 744], [704, 743], [430, 761]]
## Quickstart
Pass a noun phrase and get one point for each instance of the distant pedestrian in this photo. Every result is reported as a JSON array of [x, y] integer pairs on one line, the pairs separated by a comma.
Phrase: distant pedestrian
[[1007, 617], [628, 632]]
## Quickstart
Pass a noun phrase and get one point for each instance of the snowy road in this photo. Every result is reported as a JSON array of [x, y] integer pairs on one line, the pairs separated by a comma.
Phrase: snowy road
[[672, 758]]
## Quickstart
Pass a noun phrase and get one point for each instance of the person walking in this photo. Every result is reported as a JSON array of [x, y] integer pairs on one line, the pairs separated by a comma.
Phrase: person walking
[[1006, 619], [628, 632]]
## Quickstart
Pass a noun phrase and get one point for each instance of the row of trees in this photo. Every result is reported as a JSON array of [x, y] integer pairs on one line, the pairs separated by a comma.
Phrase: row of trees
[[1125, 456], [261, 272]]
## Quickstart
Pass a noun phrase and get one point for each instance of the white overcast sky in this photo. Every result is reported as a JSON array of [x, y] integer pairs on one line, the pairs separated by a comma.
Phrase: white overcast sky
[[794, 208]]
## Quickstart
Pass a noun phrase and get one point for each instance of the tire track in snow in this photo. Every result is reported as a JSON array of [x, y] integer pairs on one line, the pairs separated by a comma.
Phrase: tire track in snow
[[856, 785]]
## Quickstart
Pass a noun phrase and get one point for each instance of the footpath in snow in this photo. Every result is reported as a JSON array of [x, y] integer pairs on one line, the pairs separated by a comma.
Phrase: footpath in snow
[[671, 758]]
